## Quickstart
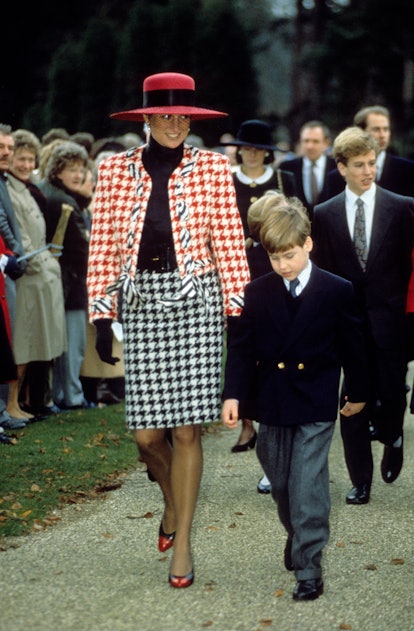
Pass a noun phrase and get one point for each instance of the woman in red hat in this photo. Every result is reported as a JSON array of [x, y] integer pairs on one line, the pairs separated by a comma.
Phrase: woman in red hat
[[167, 234]]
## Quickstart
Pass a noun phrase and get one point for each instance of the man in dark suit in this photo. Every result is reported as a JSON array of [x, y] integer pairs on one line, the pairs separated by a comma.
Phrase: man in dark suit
[[299, 326], [312, 167], [366, 234]]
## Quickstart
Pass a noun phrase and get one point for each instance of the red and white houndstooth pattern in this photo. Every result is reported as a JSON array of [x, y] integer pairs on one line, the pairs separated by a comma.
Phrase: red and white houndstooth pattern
[[206, 225]]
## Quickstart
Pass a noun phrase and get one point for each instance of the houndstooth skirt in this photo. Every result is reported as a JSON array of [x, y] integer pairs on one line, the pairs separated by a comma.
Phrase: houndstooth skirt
[[172, 354]]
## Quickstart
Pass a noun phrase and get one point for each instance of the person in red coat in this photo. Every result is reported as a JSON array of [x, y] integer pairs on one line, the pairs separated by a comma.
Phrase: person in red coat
[[410, 318]]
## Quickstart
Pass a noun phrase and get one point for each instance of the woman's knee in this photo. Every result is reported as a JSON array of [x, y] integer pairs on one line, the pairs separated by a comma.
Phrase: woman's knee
[[186, 435], [149, 440]]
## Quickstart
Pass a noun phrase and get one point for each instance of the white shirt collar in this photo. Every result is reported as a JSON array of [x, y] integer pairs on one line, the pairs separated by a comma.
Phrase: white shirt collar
[[381, 159], [245, 179], [303, 278], [368, 197], [320, 162]]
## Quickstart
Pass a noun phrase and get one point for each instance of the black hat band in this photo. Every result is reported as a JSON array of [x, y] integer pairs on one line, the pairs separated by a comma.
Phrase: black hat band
[[160, 98]]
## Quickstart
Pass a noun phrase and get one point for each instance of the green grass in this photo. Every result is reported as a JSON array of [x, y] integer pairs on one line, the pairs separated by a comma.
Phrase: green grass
[[66, 458]]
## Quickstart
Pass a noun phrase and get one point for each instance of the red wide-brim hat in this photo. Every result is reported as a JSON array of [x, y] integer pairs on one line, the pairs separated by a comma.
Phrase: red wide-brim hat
[[168, 93]]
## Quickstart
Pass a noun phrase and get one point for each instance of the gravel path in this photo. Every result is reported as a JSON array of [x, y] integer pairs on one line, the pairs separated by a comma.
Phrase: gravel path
[[99, 569]]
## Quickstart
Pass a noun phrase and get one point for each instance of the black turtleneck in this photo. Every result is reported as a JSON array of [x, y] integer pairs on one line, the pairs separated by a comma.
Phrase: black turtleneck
[[159, 162]]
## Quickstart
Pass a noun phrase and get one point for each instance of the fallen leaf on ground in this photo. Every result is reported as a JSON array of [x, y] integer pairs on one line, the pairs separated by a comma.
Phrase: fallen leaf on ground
[[25, 514], [397, 561], [266, 622], [108, 487]]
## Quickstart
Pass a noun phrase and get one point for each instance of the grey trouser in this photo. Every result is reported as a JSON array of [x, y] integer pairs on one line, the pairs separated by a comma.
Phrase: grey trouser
[[295, 459], [67, 386]]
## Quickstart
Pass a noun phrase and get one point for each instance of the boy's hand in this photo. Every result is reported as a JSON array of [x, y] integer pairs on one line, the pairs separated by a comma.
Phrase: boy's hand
[[350, 409], [230, 413]]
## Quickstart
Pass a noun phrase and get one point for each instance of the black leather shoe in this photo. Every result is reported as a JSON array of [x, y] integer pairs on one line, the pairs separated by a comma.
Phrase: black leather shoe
[[392, 462], [5, 439], [288, 555], [251, 444], [358, 495], [308, 590]]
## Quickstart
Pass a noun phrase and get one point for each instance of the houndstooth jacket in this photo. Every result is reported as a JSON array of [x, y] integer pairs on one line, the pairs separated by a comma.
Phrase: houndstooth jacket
[[206, 227]]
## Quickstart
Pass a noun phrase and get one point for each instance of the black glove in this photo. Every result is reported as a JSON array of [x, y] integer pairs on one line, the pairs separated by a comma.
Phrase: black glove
[[232, 323], [13, 269], [104, 337]]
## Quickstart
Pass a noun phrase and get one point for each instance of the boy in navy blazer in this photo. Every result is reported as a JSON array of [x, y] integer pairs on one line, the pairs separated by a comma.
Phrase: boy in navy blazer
[[299, 327]]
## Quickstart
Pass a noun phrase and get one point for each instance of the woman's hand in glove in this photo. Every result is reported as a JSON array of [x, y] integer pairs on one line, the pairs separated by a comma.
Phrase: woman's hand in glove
[[104, 338], [13, 268]]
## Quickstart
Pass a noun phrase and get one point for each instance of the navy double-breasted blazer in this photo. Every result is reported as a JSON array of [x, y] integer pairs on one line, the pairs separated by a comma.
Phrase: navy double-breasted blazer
[[295, 362]]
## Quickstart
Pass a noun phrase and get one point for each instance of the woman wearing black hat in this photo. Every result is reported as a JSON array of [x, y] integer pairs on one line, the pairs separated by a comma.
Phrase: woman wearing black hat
[[254, 176], [166, 230]]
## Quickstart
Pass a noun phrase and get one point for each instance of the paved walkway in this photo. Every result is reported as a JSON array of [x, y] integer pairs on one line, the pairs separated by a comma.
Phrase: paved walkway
[[99, 568]]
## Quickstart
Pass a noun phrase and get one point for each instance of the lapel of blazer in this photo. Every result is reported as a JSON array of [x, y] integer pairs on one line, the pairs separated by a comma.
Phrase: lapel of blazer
[[329, 166], [381, 220], [340, 233], [299, 178]]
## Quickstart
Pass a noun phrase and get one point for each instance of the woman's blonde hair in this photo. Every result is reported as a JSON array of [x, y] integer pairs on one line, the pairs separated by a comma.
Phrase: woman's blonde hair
[[264, 208], [258, 211], [285, 227]]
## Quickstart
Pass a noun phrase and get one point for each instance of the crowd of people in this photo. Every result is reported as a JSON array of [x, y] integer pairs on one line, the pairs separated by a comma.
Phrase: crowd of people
[[301, 267], [46, 200]]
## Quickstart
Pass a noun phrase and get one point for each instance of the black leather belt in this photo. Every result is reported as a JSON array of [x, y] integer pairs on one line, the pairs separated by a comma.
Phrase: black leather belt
[[158, 259]]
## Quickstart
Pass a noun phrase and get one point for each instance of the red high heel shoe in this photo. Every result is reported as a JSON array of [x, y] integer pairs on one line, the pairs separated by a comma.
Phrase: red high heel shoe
[[165, 541], [181, 581]]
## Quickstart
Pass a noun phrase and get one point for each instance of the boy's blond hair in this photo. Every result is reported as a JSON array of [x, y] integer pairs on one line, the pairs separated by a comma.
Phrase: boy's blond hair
[[351, 142], [258, 211], [287, 226], [262, 207]]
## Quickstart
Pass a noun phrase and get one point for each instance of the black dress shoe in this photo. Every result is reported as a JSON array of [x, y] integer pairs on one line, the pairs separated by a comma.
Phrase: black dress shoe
[[288, 555], [5, 439], [358, 494], [251, 443], [392, 462], [308, 590]]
